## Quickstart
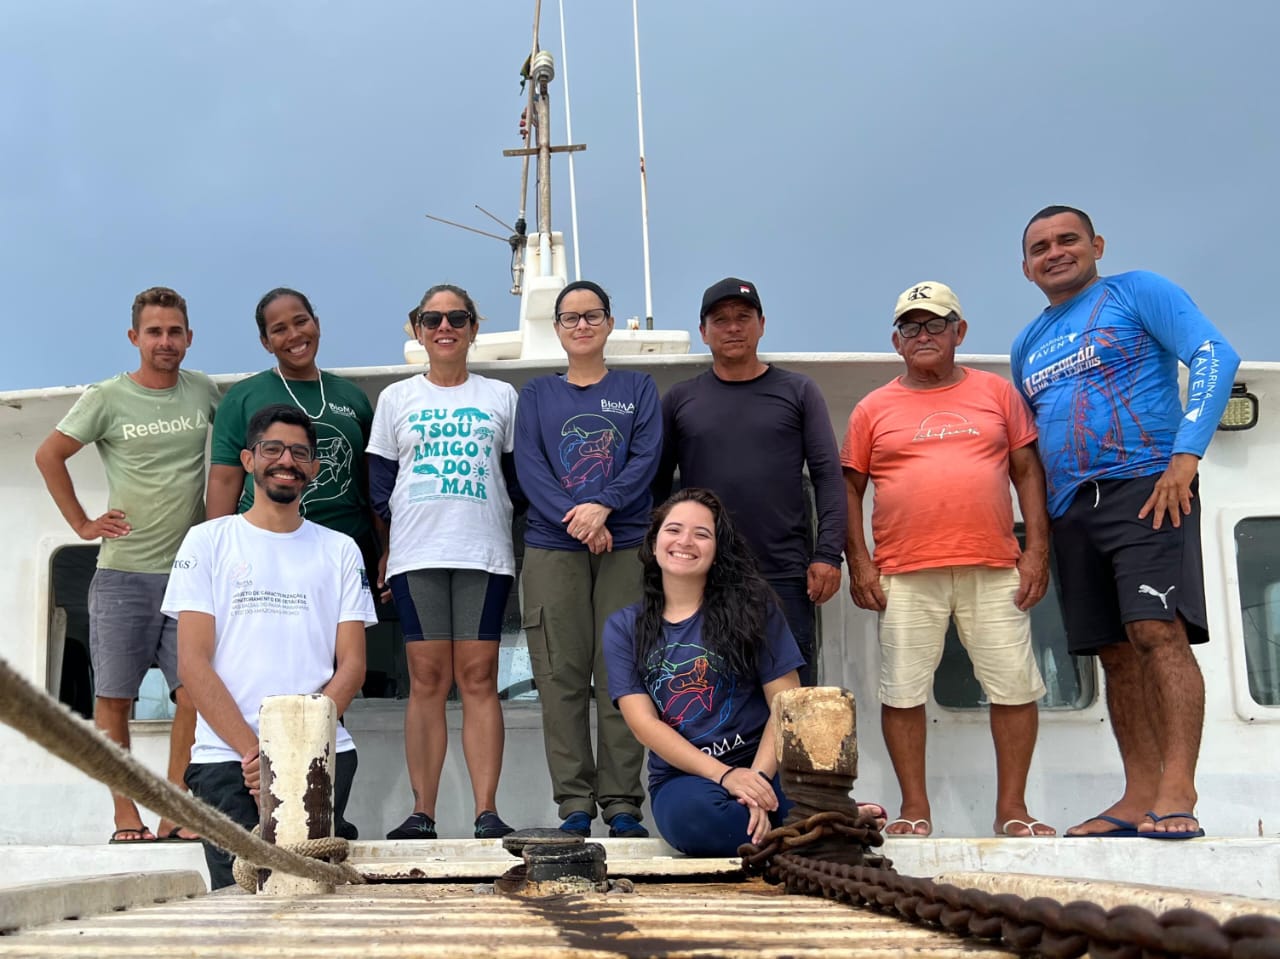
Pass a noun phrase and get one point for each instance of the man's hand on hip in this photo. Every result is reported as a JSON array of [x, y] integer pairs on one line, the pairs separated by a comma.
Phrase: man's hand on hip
[[1172, 493], [110, 525]]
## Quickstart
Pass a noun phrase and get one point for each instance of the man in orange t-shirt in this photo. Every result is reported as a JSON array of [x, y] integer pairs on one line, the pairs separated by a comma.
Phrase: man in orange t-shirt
[[941, 443]]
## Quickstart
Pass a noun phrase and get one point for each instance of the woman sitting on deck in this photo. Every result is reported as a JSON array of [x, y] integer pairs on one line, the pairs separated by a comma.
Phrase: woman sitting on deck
[[694, 667]]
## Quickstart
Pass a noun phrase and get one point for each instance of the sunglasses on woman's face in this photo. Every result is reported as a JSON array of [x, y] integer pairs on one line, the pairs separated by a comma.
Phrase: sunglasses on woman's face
[[432, 319]]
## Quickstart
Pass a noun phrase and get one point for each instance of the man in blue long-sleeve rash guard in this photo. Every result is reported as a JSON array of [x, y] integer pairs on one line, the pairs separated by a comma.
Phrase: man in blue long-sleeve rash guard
[[1121, 453]]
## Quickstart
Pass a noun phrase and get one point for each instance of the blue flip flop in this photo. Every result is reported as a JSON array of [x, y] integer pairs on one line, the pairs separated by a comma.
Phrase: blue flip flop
[[1194, 834], [1124, 829]]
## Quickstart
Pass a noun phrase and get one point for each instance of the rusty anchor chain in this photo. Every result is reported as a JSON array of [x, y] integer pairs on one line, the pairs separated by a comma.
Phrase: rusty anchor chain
[[1038, 926]]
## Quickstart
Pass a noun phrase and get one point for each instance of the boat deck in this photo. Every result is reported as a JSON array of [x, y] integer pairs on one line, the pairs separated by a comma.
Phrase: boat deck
[[438, 899], [660, 919], [1242, 867]]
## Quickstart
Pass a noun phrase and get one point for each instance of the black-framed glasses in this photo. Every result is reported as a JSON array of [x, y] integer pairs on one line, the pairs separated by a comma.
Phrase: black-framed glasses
[[567, 321], [910, 329], [274, 449], [432, 319]]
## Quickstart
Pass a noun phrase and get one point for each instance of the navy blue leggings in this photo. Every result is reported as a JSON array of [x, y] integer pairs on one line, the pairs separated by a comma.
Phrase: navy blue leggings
[[702, 819]]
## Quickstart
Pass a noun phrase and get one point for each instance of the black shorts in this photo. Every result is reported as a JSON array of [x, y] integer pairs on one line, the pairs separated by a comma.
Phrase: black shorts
[[1113, 568]]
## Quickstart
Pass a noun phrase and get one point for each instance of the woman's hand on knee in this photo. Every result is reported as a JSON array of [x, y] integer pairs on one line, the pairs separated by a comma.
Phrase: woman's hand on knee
[[757, 824], [750, 787]]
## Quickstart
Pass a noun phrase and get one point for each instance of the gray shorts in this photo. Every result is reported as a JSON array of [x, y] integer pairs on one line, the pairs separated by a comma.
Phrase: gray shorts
[[128, 634], [451, 603]]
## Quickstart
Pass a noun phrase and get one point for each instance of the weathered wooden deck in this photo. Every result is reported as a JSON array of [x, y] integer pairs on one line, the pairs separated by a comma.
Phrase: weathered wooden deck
[[748, 919]]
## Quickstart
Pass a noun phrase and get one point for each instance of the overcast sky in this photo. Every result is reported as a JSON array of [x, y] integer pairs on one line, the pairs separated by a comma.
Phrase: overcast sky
[[833, 152]]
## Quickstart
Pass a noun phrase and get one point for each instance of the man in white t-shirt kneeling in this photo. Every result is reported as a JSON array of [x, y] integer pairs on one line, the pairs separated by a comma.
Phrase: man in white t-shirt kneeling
[[267, 604]]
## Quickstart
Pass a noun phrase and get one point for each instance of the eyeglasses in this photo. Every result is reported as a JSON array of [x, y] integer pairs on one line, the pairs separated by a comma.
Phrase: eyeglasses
[[910, 329], [432, 319], [567, 321], [274, 449]]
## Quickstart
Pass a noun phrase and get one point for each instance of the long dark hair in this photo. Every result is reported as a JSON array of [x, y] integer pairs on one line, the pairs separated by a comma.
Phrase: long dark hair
[[735, 600]]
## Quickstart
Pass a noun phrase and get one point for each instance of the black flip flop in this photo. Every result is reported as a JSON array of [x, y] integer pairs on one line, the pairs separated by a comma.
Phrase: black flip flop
[[175, 835], [142, 833]]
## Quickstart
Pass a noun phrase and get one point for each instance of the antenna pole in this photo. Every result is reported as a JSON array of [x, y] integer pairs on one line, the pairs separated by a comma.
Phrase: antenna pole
[[644, 187], [529, 122], [568, 132]]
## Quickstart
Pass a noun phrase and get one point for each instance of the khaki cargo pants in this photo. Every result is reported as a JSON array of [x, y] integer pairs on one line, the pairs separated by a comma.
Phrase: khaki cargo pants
[[568, 594]]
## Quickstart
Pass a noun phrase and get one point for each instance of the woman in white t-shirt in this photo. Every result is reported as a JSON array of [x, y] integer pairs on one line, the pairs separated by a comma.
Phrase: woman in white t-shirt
[[436, 464]]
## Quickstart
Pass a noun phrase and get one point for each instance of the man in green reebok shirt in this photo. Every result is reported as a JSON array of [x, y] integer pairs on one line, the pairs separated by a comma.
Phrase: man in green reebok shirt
[[150, 427]]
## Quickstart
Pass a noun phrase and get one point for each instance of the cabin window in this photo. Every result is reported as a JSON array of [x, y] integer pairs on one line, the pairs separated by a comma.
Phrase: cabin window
[[1068, 680], [71, 673], [1258, 564], [72, 570]]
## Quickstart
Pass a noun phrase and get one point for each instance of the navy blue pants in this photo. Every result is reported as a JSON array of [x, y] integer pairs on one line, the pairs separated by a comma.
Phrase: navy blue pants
[[793, 597], [703, 819]]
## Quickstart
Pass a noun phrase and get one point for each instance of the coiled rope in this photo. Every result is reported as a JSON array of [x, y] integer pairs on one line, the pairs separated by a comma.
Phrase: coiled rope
[[47, 722]]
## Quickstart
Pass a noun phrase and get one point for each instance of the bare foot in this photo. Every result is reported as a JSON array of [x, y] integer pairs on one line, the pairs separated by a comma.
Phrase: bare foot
[[875, 812]]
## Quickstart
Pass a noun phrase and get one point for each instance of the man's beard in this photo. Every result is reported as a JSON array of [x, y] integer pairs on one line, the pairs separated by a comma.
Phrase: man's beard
[[282, 495]]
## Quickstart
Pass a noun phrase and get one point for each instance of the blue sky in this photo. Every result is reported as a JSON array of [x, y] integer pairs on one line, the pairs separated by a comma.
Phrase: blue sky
[[833, 152]]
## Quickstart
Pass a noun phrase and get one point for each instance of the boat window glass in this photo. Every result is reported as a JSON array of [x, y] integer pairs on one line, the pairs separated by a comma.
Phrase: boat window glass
[[1069, 680], [72, 569], [70, 675], [1258, 564], [386, 676]]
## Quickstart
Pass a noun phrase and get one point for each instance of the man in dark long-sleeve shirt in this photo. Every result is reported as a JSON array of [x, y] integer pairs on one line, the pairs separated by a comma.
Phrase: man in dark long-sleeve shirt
[[747, 430]]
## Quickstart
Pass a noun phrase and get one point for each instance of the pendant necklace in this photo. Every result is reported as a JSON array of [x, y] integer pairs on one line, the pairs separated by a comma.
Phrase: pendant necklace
[[297, 402]]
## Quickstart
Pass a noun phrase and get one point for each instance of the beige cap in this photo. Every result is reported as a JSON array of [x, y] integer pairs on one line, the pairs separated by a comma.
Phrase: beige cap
[[930, 295]]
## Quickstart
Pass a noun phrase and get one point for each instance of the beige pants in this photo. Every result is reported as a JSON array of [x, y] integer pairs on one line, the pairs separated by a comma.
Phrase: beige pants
[[997, 635]]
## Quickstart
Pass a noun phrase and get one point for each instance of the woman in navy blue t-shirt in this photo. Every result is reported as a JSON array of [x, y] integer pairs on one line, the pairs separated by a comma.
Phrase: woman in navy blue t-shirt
[[693, 667], [586, 451]]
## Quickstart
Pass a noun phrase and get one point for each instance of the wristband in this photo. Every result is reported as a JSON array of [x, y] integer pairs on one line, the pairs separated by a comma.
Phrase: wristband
[[765, 776], [725, 775]]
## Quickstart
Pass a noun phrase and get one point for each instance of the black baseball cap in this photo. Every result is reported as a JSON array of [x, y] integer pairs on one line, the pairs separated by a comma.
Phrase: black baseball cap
[[730, 288]]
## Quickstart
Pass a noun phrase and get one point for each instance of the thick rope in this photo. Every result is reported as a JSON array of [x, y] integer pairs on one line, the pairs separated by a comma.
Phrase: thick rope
[[331, 849], [47, 722]]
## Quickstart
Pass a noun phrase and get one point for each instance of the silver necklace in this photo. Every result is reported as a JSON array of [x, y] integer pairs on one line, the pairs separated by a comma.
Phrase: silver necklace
[[297, 402]]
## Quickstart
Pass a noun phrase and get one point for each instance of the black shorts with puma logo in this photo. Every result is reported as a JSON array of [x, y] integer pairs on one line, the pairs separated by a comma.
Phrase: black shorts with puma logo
[[1113, 568]]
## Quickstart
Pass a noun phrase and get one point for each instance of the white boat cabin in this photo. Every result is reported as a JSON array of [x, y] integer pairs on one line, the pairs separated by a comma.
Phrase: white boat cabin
[[45, 571]]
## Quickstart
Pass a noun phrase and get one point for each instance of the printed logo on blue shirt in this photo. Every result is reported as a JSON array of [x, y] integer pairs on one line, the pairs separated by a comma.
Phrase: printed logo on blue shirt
[[693, 692], [589, 447]]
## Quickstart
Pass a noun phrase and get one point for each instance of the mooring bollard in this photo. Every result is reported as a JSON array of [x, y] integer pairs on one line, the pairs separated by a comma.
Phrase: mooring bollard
[[815, 731], [296, 736]]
